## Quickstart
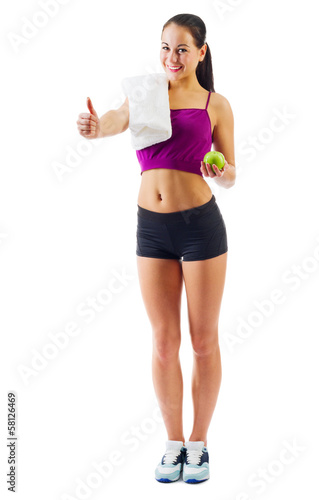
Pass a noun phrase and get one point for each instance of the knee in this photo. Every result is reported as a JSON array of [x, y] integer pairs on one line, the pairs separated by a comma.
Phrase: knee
[[205, 343], [166, 343]]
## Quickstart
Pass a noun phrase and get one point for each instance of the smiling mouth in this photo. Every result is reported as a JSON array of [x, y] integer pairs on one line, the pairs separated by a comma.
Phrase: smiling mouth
[[174, 68]]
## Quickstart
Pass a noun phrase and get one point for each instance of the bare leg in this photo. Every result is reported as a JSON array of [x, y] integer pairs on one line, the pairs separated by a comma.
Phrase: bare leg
[[161, 282], [204, 283]]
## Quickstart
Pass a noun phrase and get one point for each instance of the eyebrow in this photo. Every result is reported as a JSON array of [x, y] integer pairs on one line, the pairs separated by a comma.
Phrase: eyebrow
[[178, 45]]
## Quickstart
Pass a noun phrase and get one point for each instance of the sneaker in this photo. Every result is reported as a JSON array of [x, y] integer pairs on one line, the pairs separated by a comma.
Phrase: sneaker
[[196, 465], [171, 465]]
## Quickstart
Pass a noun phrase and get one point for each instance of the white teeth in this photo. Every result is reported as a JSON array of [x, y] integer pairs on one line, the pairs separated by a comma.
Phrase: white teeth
[[174, 67]]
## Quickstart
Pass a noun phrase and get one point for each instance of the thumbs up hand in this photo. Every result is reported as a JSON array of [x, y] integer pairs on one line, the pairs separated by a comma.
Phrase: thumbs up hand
[[89, 123]]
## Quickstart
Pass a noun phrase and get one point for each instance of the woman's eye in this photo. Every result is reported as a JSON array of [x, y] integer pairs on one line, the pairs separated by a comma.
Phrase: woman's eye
[[178, 49]]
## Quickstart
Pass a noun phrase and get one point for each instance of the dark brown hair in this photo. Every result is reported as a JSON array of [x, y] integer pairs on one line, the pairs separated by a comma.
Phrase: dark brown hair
[[197, 28]]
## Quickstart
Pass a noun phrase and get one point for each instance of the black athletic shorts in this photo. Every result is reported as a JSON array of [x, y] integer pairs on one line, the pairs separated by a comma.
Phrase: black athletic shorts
[[198, 233]]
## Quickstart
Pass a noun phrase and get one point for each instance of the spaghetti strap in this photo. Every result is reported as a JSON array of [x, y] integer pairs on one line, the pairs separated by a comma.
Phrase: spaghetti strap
[[208, 100]]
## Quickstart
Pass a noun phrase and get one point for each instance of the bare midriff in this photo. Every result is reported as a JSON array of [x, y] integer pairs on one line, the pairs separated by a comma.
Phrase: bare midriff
[[167, 190]]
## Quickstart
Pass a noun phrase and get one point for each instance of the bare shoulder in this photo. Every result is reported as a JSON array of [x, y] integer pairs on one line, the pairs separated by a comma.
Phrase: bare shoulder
[[223, 136], [220, 105]]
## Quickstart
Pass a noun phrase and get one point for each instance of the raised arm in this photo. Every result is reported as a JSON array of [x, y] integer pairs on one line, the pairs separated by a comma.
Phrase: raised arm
[[114, 121]]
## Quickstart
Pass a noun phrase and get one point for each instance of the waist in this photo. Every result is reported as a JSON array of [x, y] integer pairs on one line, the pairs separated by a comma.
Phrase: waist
[[178, 216], [164, 190]]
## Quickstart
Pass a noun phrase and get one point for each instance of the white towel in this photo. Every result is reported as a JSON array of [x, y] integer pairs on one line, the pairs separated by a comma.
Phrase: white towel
[[150, 119]]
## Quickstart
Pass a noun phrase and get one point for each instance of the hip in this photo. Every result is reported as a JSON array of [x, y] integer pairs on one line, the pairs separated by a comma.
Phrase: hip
[[193, 234]]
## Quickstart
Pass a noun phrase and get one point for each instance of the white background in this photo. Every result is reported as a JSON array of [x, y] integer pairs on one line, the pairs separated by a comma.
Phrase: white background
[[63, 240]]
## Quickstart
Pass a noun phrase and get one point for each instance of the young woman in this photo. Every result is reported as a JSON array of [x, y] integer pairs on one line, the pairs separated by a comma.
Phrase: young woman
[[181, 237]]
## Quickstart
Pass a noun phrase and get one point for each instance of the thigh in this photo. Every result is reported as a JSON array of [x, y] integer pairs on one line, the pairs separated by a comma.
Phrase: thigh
[[201, 235], [152, 238], [204, 285], [161, 282]]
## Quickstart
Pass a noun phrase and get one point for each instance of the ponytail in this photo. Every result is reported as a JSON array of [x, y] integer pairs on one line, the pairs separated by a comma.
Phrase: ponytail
[[204, 72]]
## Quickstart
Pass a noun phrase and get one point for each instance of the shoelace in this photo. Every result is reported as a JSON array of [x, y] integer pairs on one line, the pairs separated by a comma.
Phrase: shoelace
[[194, 456], [170, 456]]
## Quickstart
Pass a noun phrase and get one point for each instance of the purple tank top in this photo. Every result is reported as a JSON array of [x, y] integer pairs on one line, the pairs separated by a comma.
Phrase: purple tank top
[[191, 139]]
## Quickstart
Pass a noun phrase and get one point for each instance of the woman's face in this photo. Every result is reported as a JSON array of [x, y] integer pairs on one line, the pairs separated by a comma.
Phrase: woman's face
[[179, 55]]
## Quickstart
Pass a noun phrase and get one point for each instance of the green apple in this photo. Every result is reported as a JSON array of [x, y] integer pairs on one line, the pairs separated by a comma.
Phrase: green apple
[[216, 158]]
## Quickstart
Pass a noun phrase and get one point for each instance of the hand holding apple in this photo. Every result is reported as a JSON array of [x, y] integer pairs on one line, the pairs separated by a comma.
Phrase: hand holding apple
[[214, 164]]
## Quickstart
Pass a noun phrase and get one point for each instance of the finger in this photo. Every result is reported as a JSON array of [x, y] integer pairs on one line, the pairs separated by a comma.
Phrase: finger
[[93, 118], [91, 131], [84, 122], [84, 115], [217, 171], [208, 169], [90, 106], [87, 126], [85, 133], [203, 169], [211, 171], [87, 119]]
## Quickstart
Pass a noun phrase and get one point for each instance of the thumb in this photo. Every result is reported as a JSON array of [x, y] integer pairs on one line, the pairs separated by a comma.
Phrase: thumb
[[90, 106]]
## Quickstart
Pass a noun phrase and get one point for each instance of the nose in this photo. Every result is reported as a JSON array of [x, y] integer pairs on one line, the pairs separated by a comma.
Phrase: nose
[[173, 60]]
